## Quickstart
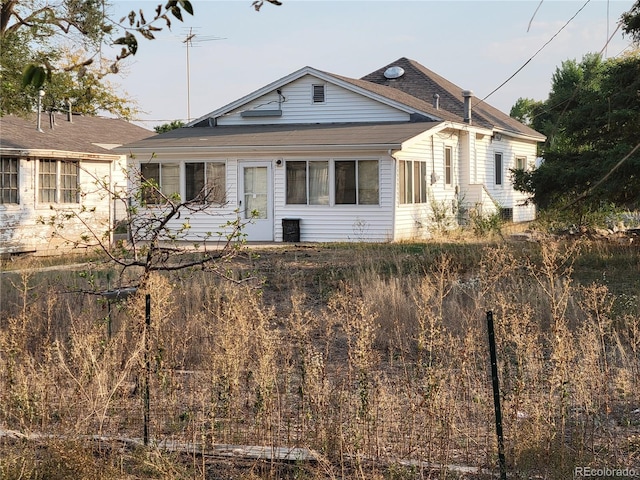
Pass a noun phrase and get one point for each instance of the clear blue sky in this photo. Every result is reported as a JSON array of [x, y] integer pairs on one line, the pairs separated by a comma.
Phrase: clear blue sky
[[475, 44]]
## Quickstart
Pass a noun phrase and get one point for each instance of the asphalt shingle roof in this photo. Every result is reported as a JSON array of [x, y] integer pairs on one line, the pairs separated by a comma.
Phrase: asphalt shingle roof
[[286, 135], [81, 135], [421, 83], [414, 89]]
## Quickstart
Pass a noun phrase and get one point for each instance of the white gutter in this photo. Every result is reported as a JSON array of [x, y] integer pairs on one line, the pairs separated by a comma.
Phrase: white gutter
[[40, 153], [394, 210], [522, 136], [262, 148]]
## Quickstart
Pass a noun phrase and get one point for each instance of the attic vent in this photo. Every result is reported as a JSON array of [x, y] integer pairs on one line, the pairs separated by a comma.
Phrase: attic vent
[[393, 72], [318, 94]]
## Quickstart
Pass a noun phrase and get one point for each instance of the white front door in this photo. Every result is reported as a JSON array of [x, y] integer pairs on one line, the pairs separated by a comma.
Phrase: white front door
[[255, 199]]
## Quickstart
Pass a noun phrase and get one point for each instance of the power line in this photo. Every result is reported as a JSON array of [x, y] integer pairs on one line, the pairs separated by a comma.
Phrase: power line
[[537, 52]]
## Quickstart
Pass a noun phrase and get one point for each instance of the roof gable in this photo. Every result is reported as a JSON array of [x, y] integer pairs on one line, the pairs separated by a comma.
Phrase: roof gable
[[398, 100], [413, 93]]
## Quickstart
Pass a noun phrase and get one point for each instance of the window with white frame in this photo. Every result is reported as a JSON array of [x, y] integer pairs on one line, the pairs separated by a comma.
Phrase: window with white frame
[[58, 181], [308, 182], [412, 181], [448, 166], [497, 166], [205, 181], [355, 182], [158, 180], [9, 180], [521, 163]]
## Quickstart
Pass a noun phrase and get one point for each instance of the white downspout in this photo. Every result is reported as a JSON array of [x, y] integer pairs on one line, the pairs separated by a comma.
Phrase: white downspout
[[395, 194]]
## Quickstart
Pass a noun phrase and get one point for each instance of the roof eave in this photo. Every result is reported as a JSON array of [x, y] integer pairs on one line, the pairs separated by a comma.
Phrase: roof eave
[[263, 148], [42, 153], [520, 135]]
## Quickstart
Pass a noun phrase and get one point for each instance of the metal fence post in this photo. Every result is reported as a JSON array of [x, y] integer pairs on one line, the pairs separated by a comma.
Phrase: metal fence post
[[496, 396], [147, 331]]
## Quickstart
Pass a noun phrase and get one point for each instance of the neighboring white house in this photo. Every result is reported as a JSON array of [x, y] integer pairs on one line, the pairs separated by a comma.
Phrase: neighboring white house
[[51, 165], [320, 157]]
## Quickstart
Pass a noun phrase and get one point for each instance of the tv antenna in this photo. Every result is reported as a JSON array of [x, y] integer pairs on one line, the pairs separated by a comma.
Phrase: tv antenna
[[189, 40]]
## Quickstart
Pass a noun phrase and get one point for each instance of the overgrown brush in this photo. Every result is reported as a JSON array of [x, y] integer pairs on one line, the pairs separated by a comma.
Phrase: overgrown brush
[[378, 357]]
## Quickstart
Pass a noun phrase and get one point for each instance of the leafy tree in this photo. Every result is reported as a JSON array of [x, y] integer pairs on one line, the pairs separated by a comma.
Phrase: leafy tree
[[526, 110], [33, 32], [592, 121], [167, 127], [89, 92], [631, 22], [88, 24]]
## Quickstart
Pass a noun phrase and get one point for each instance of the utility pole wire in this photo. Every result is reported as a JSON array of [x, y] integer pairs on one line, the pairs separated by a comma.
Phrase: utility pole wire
[[534, 15], [535, 54]]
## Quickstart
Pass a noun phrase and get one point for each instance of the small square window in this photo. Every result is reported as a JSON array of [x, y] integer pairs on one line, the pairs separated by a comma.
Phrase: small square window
[[521, 163]]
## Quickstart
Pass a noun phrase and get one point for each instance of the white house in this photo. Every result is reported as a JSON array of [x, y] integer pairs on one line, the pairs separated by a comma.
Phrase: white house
[[320, 157], [53, 164]]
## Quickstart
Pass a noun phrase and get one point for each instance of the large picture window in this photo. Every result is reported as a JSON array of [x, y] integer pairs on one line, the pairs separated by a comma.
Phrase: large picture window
[[58, 181], [8, 180], [167, 178], [206, 181], [308, 182], [355, 182], [413, 181]]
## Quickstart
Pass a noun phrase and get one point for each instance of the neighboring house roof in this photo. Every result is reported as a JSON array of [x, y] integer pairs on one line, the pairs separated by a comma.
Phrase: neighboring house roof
[[420, 82], [287, 136], [93, 135]]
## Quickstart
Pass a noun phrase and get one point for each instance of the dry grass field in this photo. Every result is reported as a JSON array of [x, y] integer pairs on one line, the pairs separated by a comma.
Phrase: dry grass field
[[371, 359]]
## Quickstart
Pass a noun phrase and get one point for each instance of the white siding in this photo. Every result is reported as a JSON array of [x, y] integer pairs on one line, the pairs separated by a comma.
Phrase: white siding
[[472, 182], [340, 223], [26, 227], [208, 224], [414, 221], [318, 223], [504, 195], [340, 105]]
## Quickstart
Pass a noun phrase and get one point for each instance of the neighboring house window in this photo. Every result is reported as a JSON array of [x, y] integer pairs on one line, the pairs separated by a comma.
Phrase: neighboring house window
[[498, 168], [68, 182], [448, 166], [8, 180], [521, 163], [318, 93], [413, 181], [205, 181], [356, 182], [165, 175], [58, 181], [308, 182]]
